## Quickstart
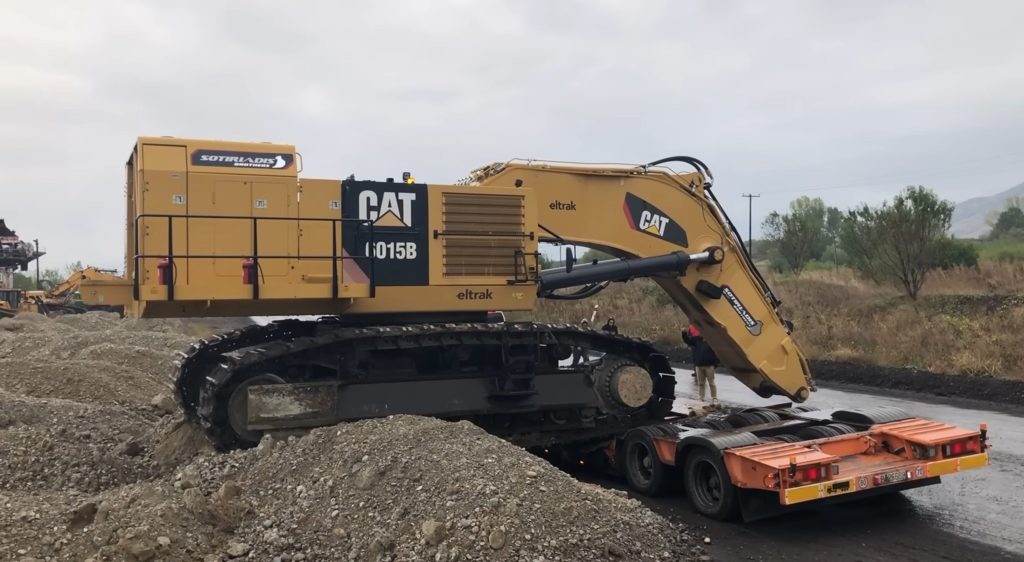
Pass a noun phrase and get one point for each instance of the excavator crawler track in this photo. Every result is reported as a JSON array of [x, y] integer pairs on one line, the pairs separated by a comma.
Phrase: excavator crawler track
[[509, 378]]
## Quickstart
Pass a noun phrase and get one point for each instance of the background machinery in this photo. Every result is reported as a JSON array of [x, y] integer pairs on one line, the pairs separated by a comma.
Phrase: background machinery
[[15, 255], [65, 297], [402, 276]]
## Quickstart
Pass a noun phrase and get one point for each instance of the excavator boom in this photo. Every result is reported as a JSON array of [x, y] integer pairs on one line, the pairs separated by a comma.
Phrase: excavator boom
[[649, 210]]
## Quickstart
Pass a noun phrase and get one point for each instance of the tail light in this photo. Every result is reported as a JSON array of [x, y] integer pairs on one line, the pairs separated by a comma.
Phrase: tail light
[[812, 473], [960, 448], [807, 474]]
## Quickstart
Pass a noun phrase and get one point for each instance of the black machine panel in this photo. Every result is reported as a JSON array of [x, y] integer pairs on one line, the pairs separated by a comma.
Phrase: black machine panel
[[400, 243]]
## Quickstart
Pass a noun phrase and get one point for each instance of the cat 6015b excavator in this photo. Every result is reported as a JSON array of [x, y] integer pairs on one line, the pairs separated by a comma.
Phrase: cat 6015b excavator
[[405, 274], [402, 275]]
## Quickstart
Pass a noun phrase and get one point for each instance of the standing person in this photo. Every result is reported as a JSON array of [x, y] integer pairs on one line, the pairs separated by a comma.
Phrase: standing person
[[610, 326], [704, 362], [579, 355]]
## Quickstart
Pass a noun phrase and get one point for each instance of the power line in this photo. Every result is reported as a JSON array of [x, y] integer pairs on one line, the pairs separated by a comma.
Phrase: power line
[[750, 222]]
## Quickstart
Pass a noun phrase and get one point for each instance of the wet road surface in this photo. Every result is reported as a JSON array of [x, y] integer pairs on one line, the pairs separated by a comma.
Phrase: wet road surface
[[975, 515]]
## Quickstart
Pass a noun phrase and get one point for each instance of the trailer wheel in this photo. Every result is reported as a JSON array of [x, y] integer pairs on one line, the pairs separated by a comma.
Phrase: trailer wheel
[[644, 471], [708, 485]]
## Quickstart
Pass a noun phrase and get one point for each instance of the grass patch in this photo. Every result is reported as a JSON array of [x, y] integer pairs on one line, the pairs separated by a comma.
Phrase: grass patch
[[967, 321]]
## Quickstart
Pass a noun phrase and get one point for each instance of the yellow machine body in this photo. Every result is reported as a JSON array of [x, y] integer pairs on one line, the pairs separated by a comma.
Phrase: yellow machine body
[[208, 210], [229, 229]]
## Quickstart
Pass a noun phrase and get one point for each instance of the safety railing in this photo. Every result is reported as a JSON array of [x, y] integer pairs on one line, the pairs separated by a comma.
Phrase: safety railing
[[253, 258]]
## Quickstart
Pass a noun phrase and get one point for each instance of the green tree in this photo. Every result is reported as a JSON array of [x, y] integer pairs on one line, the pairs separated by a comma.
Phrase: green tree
[[1010, 202], [72, 267], [591, 254], [798, 236], [897, 242], [1009, 224], [50, 278], [833, 227], [950, 253], [24, 282]]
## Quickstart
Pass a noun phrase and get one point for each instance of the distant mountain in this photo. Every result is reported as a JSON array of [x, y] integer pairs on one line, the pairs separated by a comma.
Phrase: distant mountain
[[969, 216]]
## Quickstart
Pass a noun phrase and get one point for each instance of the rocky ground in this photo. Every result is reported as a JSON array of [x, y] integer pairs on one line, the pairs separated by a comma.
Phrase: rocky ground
[[95, 464]]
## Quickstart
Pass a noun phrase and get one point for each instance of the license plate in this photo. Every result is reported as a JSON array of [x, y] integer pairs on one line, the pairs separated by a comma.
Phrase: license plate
[[893, 477]]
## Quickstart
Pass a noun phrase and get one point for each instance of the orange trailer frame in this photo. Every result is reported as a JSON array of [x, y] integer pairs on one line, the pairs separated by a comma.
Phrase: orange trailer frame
[[881, 457]]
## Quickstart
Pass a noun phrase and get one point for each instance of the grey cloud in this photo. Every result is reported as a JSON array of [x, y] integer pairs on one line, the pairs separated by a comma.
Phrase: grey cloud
[[778, 97]]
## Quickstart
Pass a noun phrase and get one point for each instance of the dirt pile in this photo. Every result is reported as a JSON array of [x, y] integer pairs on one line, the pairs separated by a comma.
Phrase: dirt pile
[[91, 358], [90, 469]]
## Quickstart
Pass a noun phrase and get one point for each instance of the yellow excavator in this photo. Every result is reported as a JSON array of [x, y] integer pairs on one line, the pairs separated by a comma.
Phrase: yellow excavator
[[407, 282], [65, 297], [403, 275]]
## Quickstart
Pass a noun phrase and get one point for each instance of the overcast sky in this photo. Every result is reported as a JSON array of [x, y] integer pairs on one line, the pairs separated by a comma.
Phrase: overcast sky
[[849, 101]]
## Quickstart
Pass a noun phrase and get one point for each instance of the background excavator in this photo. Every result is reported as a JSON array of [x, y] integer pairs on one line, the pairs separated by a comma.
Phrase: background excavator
[[64, 297], [406, 279]]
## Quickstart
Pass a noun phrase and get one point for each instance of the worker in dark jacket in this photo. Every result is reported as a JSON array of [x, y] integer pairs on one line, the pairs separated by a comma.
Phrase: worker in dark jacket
[[610, 327], [704, 362]]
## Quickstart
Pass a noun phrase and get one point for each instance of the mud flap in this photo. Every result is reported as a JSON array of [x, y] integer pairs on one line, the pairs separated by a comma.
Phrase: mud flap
[[759, 504]]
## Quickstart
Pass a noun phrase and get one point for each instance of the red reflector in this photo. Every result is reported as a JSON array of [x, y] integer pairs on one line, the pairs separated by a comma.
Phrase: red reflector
[[810, 474], [956, 449], [972, 446]]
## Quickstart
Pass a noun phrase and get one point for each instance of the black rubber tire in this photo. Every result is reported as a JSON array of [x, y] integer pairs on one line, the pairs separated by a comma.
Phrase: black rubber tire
[[744, 419], [842, 428], [708, 486], [767, 417], [787, 438], [719, 424], [817, 432], [644, 471]]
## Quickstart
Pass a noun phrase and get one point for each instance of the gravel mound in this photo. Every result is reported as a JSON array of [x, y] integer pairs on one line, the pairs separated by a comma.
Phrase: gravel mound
[[50, 444], [95, 464], [397, 489]]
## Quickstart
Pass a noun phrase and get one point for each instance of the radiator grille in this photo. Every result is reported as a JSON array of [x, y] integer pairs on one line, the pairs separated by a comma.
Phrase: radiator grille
[[482, 234]]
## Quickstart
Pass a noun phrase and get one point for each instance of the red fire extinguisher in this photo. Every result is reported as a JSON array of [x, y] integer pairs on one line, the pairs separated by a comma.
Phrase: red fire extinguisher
[[248, 271], [164, 272]]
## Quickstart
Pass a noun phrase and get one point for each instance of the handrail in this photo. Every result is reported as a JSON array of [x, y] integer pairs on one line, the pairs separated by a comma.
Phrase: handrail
[[254, 256]]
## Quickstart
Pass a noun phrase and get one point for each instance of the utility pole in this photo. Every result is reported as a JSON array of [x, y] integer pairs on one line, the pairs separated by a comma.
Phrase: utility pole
[[750, 222], [37, 263]]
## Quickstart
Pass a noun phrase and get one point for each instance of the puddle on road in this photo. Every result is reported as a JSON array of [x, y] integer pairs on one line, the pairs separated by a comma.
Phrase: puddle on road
[[985, 504]]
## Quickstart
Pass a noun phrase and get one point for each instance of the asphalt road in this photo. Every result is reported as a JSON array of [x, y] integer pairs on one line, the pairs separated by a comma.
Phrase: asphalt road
[[976, 515]]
